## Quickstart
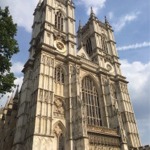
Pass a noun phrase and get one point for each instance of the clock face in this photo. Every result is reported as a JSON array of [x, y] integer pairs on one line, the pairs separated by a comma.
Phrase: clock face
[[60, 46]]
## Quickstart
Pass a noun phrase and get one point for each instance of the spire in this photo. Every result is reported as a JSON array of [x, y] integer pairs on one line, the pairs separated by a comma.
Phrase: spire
[[7, 102], [16, 94], [11, 98], [92, 12], [92, 15], [106, 21], [80, 25], [70, 2], [40, 2]]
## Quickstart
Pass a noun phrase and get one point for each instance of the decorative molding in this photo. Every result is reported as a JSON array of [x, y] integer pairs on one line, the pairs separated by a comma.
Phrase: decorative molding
[[102, 130], [58, 108]]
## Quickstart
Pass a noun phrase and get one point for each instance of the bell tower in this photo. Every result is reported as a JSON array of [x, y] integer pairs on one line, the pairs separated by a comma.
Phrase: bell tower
[[54, 27], [44, 110], [98, 41], [96, 44]]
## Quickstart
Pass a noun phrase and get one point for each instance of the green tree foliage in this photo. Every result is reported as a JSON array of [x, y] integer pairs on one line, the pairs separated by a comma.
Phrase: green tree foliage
[[8, 47]]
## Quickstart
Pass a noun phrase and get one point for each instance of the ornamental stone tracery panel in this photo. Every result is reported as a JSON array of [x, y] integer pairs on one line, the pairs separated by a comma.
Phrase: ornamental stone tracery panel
[[58, 108]]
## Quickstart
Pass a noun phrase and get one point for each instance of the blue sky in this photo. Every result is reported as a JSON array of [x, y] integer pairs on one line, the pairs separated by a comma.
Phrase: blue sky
[[130, 20]]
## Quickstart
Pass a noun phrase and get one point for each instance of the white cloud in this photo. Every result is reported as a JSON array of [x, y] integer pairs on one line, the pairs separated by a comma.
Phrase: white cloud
[[21, 11], [110, 15], [134, 46], [118, 26], [144, 129], [19, 81], [138, 75], [96, 5], [17, 67]]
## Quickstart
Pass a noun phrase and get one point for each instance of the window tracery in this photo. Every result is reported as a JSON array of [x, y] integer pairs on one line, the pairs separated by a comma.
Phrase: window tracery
[[59, 21], [89, 46], [91, 100], [59, 75]]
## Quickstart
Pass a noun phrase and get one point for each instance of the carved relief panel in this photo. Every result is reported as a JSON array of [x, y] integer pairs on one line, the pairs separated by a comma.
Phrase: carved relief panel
[[58, 108]]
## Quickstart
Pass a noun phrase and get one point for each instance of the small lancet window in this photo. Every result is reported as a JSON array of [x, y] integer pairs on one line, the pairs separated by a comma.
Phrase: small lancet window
[[61, 142], [104, 44], [89, 46], [59, 21], [59, 75], [91, 100]]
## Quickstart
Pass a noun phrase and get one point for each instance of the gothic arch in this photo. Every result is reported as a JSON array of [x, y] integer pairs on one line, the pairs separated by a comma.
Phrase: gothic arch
[[63, 67], [60, 125], [96, 81], [59, 134], [91, 99], [59, 74], [59, 19], [58, 9], [60, 78], [88, 46]]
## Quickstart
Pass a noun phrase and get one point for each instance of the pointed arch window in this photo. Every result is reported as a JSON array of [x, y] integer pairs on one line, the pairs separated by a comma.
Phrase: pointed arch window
[[59, 137], [59, 75], [89, 46], [91, 100], [104, 43], [59, 21]]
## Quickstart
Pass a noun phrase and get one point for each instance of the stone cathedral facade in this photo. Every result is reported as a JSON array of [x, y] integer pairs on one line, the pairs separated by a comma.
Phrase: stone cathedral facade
[[73, 96]]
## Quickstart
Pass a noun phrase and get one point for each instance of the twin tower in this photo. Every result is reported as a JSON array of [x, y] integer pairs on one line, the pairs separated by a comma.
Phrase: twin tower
[[74, 96]]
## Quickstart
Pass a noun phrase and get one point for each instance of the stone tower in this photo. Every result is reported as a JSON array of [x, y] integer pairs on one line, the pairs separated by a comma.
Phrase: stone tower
[[73, 96]]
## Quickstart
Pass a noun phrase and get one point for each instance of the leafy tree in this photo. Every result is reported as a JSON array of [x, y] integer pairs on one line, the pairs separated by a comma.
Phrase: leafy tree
[[8, 47]]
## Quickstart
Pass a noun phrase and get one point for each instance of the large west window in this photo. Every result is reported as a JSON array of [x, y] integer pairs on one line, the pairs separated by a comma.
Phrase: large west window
[[91, 100], [59, 21]]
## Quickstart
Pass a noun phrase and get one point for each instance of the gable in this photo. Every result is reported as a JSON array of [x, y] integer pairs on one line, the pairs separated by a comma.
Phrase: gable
[[82, 53]]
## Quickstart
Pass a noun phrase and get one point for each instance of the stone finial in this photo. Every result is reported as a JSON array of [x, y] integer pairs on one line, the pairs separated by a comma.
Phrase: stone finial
[[92, 15], [40, 2], [80, 25], [106, 21], [16, 94], [11, 97]]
